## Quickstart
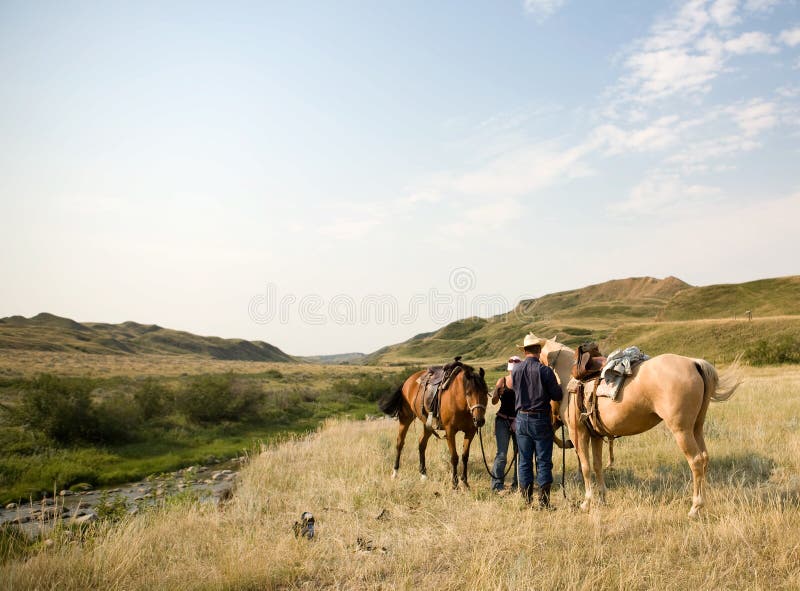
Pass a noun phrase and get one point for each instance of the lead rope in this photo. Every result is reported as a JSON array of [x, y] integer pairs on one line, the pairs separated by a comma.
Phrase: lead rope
[[485, 463], [563, 462]]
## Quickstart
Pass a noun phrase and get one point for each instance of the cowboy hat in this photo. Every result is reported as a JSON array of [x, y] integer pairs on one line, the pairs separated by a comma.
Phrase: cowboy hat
[[530, 340]]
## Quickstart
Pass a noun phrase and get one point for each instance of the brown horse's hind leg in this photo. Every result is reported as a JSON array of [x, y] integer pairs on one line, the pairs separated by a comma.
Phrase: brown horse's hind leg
[[423, 444], [697, 460], [465, 457], [406, 418], [610, 463]]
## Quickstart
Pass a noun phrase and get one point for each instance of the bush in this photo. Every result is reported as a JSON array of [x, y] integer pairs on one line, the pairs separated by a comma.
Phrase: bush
[[214, 398], [784, 349], [151, 398], [116, 419], [59, 407]]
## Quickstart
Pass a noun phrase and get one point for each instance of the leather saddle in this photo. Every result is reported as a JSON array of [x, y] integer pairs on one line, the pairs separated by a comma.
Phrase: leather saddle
[[435, 381], [589, 362]]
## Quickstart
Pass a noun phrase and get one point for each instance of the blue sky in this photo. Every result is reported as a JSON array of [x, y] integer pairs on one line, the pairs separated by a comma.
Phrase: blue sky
[[281, 171]]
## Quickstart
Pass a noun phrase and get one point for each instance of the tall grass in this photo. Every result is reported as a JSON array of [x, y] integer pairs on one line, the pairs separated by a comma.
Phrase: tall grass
[[435, 537]]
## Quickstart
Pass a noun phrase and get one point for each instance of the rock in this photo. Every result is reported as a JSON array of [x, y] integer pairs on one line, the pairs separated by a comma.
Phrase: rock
[[87, 518], [65, 493], [11, 506], [81, 487], [48, 543], [21, 519], [220, 474]]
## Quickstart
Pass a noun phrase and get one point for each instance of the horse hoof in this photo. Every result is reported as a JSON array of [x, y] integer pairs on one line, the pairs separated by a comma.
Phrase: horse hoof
[[585, 506], [394, 474], [694, 512], [423, 477]]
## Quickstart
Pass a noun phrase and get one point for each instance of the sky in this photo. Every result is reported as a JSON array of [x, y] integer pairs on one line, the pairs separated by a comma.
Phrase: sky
[[339, 176]]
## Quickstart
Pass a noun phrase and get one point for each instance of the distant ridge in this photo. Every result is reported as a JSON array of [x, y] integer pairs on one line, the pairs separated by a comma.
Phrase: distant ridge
[[47, 332], [639, 310]]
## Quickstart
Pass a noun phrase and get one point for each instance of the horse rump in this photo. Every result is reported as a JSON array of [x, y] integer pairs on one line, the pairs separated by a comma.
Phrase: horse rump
[[390, 404]]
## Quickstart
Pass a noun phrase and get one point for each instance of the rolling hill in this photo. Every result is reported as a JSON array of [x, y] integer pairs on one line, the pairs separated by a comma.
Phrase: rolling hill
[[47, 332], [658, 315]]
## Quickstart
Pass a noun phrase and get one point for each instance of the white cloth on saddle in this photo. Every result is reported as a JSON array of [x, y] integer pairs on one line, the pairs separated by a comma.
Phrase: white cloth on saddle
[[623, 362]]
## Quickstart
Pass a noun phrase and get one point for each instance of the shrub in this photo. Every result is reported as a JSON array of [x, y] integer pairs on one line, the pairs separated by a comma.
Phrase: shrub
[[151, 398], [59, 407], [784, 349], [219, 397], [117, 418]]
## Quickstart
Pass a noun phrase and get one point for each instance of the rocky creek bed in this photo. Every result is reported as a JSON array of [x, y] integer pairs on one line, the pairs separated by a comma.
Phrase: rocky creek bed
[[209, 483]]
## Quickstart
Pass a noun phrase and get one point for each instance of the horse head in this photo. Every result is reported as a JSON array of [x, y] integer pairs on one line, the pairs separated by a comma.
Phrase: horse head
[[477, 394]]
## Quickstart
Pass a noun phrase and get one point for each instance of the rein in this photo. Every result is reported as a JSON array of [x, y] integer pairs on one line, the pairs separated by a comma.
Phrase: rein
[[485, 463]]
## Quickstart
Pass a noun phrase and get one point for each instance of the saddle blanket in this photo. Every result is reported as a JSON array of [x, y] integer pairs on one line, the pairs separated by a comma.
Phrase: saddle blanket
[[604, 388]]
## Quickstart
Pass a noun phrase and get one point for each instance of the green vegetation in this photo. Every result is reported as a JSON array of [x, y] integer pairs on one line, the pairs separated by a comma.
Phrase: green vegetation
[[785, 349], [56, 432]]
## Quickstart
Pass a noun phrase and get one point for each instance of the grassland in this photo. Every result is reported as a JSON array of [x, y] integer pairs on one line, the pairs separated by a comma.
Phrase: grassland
[[424, 535]]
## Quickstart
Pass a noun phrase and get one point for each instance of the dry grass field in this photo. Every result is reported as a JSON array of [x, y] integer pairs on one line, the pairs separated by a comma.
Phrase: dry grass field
[[423, 535], [24, 363]]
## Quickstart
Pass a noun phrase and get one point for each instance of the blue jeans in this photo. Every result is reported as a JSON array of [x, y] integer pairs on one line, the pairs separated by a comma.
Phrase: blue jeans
[[503, 434], [535, 437]]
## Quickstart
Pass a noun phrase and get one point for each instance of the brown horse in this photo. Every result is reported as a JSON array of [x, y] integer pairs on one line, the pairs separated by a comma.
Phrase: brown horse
[[669, 388], [462, 408]]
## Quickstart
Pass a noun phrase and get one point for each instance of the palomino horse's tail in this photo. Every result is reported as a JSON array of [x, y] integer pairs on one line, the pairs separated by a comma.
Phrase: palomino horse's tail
[[720, 386], [391, 404]]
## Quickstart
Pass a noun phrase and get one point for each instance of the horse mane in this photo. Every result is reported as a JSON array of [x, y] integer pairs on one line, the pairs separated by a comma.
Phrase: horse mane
[[473, 378]]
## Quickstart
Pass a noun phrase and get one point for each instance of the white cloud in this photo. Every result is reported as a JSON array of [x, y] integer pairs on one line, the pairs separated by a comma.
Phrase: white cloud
[[755, 116], [752, 42], [761, 5], [543, 9], [349, 228], [790, 37], [683, 54], [724, 12], [694, 155], [660, 192]]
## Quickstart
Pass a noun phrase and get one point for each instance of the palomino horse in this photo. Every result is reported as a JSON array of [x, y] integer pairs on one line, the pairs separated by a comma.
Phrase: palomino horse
[[462, 408], [669, 388]]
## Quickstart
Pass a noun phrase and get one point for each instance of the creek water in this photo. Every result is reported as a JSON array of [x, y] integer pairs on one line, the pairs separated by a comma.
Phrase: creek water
[[209, 483]]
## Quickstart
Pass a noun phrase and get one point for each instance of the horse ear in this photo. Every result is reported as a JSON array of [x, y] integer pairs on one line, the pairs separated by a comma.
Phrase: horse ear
[[480, 371]]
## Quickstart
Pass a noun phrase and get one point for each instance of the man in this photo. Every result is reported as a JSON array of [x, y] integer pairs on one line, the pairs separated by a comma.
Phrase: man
[[535, 386], [503, 428]]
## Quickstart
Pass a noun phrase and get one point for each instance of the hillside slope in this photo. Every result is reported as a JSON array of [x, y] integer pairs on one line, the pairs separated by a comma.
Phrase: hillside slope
[[47, 332], [618, 313]]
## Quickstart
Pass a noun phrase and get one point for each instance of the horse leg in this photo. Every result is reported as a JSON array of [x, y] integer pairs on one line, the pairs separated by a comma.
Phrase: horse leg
[[582, 449], [697, 462], [465, 457], [423, 444], [405, 423], [451, 443], [597, 461], [610, 464]]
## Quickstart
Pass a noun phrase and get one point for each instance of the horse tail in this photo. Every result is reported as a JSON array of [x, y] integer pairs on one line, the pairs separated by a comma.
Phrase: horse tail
[[720, 387], [391, 404]]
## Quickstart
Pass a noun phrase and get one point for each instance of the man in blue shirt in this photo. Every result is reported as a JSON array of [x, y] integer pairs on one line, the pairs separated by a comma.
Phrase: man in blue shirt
[[535, 386]]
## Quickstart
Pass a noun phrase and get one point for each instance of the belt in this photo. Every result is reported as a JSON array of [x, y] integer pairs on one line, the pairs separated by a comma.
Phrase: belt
[[534, 412]]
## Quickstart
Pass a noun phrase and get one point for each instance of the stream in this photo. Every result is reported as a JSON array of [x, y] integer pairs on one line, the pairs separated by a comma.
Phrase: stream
[[210, 483]]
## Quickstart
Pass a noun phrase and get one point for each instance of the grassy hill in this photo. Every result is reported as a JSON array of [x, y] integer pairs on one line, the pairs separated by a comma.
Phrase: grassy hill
[[47, 332], [658, 315]]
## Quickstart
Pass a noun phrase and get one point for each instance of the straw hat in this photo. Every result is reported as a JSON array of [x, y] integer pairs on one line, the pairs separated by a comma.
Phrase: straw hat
[[531, 339]]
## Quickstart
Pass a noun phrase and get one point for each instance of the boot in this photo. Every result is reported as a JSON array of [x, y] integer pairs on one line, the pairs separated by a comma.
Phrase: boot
[[544, 497], [527, 494]]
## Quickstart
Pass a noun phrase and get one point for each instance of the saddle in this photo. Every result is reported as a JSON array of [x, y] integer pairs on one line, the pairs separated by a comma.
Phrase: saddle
[[589, 362], [586, 393], [435, 381]]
